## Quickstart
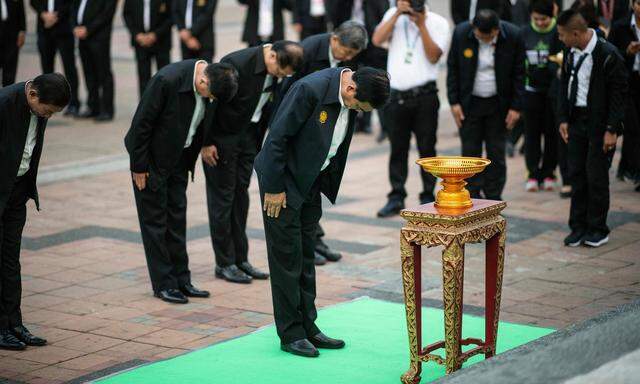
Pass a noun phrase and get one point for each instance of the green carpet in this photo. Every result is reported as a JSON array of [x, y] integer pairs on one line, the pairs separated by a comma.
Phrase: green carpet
[[376, 351]]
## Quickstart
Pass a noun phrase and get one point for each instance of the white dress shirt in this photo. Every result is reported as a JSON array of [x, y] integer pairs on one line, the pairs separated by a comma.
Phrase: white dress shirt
[[198, 111], [340, 130], [146, 15], [264, 97], [473, 4], [584, 73], [357, 13], [81, 8], [407, 62], [4, 12], [333, 63], [317, 8], [634, 24], [188, 15], [265, 19], [51, 5], [29, 145], [484, 84]]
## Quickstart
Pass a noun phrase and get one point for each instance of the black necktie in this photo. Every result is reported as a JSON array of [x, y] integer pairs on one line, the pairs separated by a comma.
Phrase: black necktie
[[573, 94]]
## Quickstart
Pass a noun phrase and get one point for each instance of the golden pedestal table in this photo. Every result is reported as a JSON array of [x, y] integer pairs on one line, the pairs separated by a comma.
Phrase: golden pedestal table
[[430, 226]]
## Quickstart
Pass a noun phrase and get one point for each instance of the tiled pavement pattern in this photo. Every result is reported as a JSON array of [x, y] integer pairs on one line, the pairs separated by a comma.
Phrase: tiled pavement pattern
[[85, 281]]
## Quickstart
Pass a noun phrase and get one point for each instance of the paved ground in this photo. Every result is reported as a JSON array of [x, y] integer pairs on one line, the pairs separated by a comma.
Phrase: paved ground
[[85, 281]]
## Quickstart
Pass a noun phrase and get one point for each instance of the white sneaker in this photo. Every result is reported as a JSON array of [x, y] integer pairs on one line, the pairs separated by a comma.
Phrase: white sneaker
[[532, 185], [549, 184], [596, 241]]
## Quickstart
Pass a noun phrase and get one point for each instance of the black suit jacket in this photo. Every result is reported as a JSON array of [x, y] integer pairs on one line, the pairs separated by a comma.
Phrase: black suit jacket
[[63, 7], [299, 140], [15, 116], [15, 21], [232, 119], [302, 12], [374, 11], [462, 65], [621, 35], [250, 33], [97, 17], [620, 10], [460, 9], [160, 126], [160, 23], [606, 100], [202, 27]]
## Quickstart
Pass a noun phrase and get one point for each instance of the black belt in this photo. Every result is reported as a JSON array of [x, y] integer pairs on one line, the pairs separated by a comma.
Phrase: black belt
[[429, 87], [580, 111]]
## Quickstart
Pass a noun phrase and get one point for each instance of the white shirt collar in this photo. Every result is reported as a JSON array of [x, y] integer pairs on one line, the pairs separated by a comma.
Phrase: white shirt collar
[[494, 41], [332, 59], [592, 43], [340, 88]]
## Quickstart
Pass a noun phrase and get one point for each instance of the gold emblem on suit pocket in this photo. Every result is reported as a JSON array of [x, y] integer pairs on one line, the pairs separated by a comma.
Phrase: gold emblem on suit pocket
[[201, 3], [323, 117], [468, 53], [163, 8]]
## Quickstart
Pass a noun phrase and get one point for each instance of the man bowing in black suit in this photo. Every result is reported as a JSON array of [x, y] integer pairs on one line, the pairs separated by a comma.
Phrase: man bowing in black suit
[[24, 111], [163, 143], [304, 155], [231, 146]]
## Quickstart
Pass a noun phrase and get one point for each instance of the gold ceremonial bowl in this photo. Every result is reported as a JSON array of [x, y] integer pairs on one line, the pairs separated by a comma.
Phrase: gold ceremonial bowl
[[453, 170]]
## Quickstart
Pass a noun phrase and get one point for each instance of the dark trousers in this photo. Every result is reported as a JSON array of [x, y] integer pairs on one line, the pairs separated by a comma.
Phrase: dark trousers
[[539, 122], [48, 44], [143, 60], [630, 160], [162, 212], [8, 57], [201, 54], [228, 199], [96, 65], [404, 115], [314, 26], [484, 124], [563, 161], [290, 248], [12, 220], [589, 175]]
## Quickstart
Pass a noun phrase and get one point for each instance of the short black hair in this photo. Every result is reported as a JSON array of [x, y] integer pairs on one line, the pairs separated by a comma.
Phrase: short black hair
[[372, 86], [223, 80], [52, 89], [588, 11], [543, 7], [572, 19], [288, 54], [486, 20]]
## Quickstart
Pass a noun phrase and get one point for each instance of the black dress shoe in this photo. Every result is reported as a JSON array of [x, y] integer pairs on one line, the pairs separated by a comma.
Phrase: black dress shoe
[[253, 271], [9, 341], [23, 334], [233, 274], [191, 291], [574, 239], [392, 208], [323, 249], [427, 199], [172, 296], [88, 114], [104, 117], [323, 341], [72, 110], [318, 259], [301, 348]]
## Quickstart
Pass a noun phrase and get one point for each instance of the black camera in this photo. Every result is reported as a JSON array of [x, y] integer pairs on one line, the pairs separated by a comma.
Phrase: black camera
[[417, 5]]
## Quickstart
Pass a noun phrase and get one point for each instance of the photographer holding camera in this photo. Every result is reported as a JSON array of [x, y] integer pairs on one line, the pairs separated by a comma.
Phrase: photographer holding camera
[[417, 40]]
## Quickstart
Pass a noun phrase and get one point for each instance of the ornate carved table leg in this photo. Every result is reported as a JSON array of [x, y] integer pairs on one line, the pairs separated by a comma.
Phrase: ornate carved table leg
[[452, 270], [411, 278], [493, 281]]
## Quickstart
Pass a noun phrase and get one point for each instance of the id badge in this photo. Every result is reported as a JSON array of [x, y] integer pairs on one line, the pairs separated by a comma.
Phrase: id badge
[[408, 58]]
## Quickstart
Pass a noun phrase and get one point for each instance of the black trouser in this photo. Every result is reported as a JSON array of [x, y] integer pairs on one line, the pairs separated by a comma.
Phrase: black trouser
[[563, 161], [96, 65], [8, 57], [143, 59], [589, 175], [539, 121], [630, 160], [162, 212], [314, 26], [291, 242], [48, 44], [484, 124], [200, 54], [12, 220], [228, 198], [407, 113]]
